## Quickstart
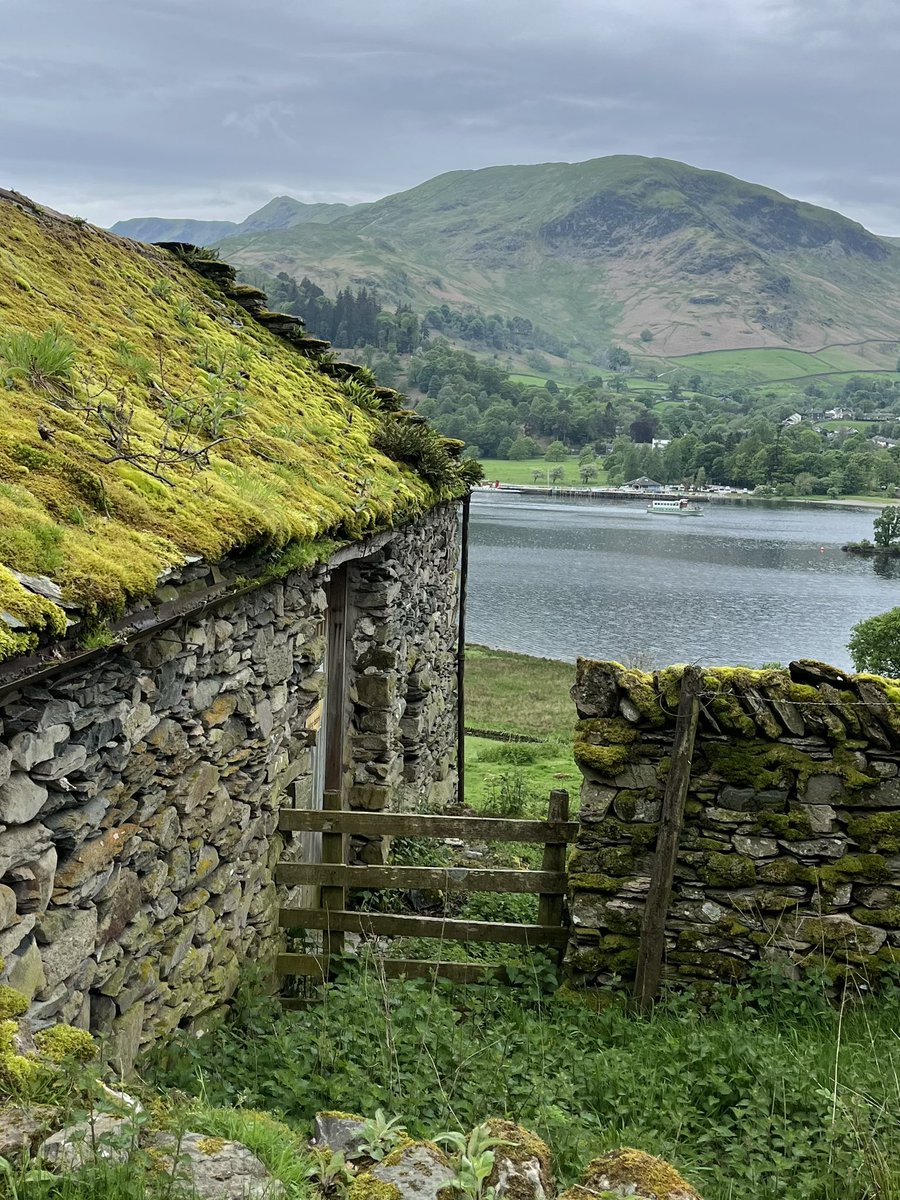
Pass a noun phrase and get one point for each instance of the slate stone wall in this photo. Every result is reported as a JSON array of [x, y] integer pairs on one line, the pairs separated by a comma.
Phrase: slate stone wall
[[139, 793], [790, 851]]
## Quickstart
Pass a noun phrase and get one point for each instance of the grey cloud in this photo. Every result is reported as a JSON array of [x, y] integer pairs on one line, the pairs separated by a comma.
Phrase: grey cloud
[[189, 107]]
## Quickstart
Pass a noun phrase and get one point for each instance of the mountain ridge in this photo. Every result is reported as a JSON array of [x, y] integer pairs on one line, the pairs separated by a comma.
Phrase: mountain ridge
[[611, 249]]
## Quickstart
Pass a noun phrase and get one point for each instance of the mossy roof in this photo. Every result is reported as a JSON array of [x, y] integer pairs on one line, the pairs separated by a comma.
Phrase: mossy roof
[[150, 333]]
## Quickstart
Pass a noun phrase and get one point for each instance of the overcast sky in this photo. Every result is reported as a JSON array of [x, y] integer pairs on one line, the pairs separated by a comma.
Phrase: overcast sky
[[208, 108]]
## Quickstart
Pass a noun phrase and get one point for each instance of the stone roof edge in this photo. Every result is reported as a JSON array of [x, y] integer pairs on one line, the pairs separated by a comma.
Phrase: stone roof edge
[[198, 587]]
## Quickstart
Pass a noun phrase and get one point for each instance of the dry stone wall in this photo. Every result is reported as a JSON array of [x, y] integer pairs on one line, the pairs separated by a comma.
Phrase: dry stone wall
[[139, 793], [790, 851]]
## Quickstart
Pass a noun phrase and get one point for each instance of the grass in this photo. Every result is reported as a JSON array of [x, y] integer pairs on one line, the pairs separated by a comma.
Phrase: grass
[[518, 694], [763, 366], [522, 471], [768, 1091]]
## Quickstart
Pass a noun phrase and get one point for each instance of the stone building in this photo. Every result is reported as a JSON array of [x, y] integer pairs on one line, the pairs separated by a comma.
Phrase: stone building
[[228, 582]]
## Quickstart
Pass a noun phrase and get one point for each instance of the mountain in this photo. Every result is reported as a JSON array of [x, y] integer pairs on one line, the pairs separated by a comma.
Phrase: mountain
[[282, 212], [600, 251]]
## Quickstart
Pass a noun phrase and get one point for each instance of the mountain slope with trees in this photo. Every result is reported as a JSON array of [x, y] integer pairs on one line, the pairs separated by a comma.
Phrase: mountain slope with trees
[[658, 255]]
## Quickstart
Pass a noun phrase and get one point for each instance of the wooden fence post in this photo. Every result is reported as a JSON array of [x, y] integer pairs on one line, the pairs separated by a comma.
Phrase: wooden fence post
[[550, 905], [333, 896], [653, 925]]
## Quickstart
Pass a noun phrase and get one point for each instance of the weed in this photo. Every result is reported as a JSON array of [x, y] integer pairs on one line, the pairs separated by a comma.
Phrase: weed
[[473, 1161], [161, 289], [44, 362], [184, 314], [380, 1135], [767, 1093]]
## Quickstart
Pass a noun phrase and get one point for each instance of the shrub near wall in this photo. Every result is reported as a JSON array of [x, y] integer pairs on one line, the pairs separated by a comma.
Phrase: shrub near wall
[[790, 850]]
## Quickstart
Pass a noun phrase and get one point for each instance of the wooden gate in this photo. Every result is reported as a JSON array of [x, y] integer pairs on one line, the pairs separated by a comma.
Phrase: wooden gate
[[334, 878]]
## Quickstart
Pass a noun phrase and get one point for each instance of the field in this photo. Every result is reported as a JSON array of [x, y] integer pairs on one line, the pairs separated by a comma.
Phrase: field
[[779, 365], [522, 471]]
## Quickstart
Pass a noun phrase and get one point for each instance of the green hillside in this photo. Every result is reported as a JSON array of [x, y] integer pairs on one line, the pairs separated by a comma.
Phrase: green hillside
[[600, 251]]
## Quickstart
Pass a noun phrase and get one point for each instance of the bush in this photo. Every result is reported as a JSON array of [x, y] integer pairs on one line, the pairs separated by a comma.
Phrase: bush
[[555, 452], [875, 644]]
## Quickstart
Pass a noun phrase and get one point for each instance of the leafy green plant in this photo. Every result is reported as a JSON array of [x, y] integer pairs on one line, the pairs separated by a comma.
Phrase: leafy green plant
[[44, 361], [184, 314], [330, 1172], [381, 1134], [473, 1161], [161, 289]]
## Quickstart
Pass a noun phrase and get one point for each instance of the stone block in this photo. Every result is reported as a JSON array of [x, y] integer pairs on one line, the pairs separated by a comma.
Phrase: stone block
[[33, 885], [750, 800], [71, 759], [821, 789], [30, 747], [67, 937], [21, 799], [376, 691], [25, 970], [369, 797]]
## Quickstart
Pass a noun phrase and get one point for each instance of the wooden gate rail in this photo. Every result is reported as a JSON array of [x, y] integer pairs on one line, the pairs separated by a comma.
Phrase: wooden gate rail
[[394, 925], [427, 879], [335, 877], [477, 829]]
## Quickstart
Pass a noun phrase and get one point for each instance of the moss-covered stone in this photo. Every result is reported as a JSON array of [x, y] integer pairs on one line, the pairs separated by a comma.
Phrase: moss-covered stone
[[727, 870], [519, 1156], [607, 761], [365, 1187], [876, 831], [12, 1002], [629, 1172], [886, 918], [60, 1042]]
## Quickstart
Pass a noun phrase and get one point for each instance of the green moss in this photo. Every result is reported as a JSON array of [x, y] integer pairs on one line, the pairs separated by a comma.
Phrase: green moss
[[762, 764], [592, 881], [605, 760], [606, 860], [211, 1145], [793, 825], [366, 1187], [852, 868], [60, 1042], [12, 1002], [728, 870], [608, 730], [876, 831], [640, 1172], [18, 1073], [297, 464], [639, 687], [886, 918]]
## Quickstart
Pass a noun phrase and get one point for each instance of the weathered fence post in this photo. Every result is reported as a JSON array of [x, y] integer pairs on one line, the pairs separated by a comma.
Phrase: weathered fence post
[[653, 925], [550, 905], [333, 897]]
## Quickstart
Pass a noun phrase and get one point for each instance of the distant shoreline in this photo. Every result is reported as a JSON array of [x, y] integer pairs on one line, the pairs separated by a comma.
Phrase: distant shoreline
[[586, 493]]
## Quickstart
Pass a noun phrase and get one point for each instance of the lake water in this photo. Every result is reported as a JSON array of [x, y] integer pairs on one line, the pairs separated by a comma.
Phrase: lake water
[[741, 584]]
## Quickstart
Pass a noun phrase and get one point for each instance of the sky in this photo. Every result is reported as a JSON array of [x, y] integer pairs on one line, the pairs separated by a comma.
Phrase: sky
[[123, 108]]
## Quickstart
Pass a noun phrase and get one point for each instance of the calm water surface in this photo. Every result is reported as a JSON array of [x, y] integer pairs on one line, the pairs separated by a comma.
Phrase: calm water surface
[[740, 584]]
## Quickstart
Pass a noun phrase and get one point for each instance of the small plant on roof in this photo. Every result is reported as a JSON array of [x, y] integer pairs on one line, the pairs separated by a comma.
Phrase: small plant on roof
[[184, 314], [361, 393], [43, 362]]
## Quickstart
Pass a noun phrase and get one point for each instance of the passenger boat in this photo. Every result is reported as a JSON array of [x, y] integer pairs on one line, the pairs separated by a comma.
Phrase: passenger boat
[[678, 508]]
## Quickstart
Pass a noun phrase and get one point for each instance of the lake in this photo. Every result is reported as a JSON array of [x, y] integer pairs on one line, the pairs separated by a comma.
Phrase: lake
[[742, 584]]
